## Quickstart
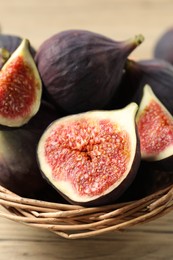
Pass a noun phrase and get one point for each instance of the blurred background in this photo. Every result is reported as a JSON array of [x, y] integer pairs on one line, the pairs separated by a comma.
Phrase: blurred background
[[119, 19]]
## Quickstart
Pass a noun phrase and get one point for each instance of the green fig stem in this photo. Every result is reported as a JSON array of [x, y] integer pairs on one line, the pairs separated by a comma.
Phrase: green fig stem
[[4, 53], [138, 39], [132, 43], [22, 50], [4, 56]]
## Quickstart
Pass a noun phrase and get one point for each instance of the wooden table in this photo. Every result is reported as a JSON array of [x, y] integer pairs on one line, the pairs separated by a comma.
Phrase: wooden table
[[120, 19]]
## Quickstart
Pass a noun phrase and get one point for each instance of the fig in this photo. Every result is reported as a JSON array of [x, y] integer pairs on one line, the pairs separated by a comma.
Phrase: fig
[[81, 70], [163, 48], [19, 169], [20, 88], [46, 114], [147, 181], [18, 165], [155, 129], [8, 44], [158, 74], [91, 158]]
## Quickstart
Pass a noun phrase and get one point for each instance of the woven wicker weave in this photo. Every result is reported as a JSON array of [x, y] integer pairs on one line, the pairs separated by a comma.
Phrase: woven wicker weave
[[74, 222]]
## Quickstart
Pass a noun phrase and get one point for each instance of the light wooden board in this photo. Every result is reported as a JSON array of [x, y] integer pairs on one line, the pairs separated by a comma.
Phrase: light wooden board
[[149, 241]]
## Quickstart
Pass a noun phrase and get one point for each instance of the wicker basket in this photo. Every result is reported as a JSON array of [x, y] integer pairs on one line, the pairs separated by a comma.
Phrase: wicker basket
[[74, 222]]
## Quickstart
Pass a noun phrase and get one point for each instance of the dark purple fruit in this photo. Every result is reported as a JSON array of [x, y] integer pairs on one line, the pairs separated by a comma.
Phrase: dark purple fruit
[[81, 70], [158, 74], [163, 48], [8, 44], [147, 181], [92, 157], [47, 114], [18, 165], [155, 129], [20, 88], [19, 170]]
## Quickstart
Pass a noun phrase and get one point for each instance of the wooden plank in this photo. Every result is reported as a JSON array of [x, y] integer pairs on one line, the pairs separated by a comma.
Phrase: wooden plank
[[149, 241]]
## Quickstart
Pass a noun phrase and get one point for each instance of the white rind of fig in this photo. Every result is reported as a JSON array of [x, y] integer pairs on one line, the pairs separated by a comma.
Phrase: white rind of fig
[[149, 96], [124, 119], [22, 52]]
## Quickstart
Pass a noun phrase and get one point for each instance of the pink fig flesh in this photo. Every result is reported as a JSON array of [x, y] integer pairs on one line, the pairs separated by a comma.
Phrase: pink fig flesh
[[11, 89], [90, 157], [20, 88], [155, 128]]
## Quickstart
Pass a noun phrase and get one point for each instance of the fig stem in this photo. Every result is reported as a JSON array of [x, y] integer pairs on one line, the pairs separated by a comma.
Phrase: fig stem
[[138, 39], [132, 43], [4, 53]]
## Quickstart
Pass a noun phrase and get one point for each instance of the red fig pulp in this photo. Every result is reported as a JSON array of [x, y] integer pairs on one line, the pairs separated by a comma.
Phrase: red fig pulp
[[155, 127], [20, 88], [92, 157]]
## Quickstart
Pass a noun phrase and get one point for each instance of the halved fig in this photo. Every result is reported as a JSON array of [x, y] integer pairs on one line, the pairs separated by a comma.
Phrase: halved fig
[[92, 157], [20, 88], [155, 128]]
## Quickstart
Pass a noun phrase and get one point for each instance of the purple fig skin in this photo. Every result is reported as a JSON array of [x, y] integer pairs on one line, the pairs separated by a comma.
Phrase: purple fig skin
[[147, 181], [19, 171], [140, 187], [164, 165], [163, 48], [81, 70], [158, 74], [46, 114], [8, 44]]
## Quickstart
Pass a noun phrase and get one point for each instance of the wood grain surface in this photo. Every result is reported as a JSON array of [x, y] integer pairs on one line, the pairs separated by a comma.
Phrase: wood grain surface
[[119, 19]]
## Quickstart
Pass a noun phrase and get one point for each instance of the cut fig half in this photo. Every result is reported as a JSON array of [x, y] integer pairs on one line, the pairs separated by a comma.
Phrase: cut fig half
[[20, 88], [91, 157], [155, 128]]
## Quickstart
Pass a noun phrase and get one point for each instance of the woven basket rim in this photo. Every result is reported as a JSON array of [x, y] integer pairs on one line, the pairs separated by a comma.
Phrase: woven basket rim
[[74, 222]]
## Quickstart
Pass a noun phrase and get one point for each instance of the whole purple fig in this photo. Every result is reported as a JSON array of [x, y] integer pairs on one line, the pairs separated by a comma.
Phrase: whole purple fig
[[18, 165], [19, 169], [158, 74], [163, 48], [8, 44], [81, 70]]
